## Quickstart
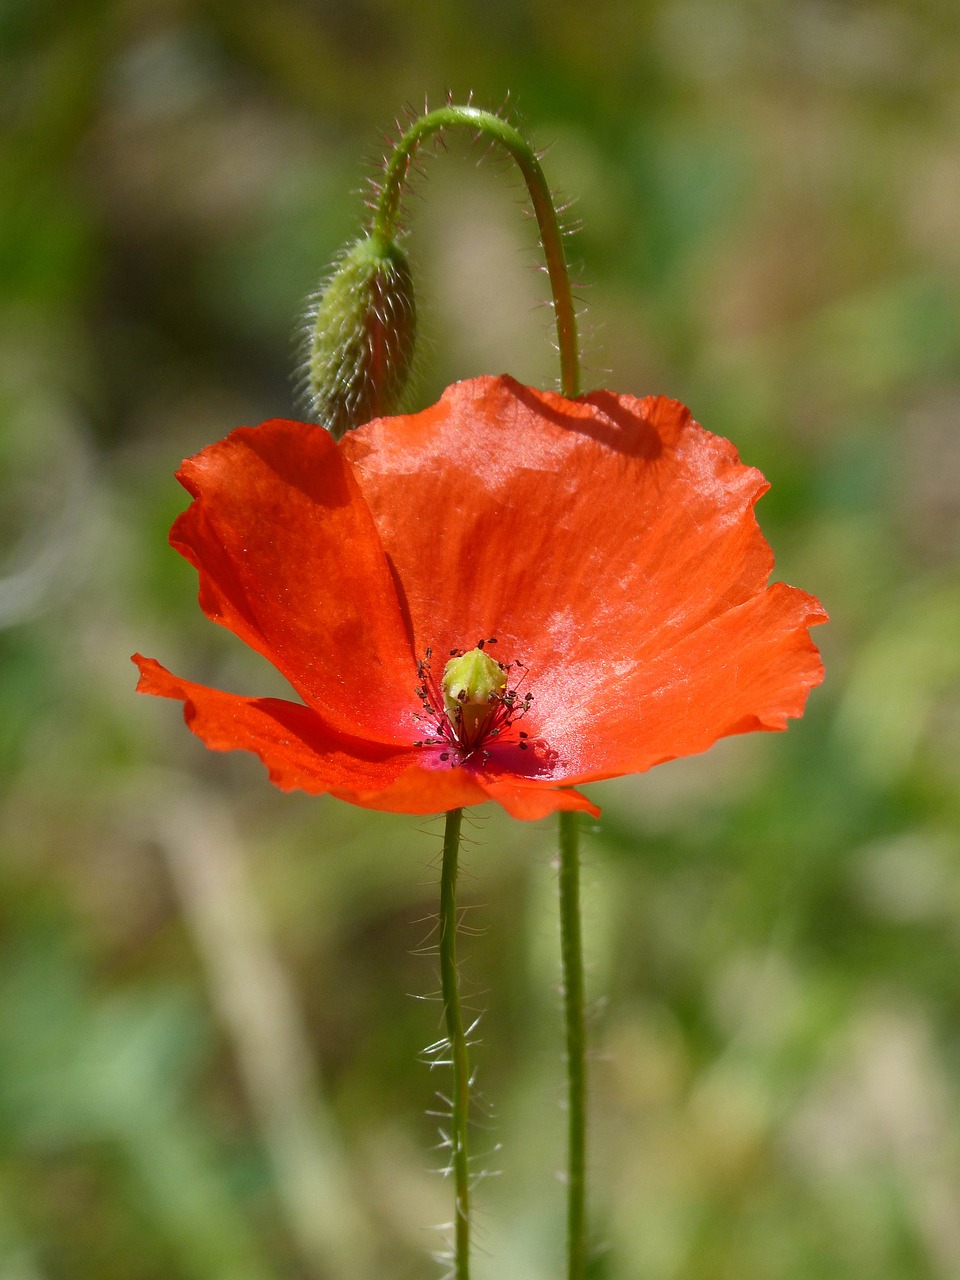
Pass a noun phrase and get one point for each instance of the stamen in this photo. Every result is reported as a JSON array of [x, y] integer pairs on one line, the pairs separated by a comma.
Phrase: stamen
[[472, 703]]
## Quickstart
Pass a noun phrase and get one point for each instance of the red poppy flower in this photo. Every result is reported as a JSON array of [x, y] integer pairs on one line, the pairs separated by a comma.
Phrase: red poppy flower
[[603, 550]]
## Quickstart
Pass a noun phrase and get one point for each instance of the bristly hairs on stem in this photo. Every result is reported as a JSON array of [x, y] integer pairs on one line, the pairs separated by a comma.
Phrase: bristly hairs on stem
[[458, 1108], [359, 335], [488, 125], [574, 1006]]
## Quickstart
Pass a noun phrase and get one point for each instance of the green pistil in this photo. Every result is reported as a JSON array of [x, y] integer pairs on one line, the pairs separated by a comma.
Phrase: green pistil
[[473, 685]]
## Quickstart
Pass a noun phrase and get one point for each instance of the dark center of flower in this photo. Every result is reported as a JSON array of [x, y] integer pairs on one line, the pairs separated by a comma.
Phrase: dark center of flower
[[473, 703]]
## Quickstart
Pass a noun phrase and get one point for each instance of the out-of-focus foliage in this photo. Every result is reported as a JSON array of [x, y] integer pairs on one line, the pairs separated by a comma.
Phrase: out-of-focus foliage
[[208, 1046]]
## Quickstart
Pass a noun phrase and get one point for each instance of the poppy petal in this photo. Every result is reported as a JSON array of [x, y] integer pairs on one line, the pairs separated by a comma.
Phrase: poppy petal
[[750, 668], [591, 537], [533, 800], [574, 531], [302, 753], [299, 749], [421, 790], [290, 560]]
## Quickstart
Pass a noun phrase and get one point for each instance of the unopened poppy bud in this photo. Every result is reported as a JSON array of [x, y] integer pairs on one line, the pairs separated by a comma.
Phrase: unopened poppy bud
[[360, 337], [473, 684]]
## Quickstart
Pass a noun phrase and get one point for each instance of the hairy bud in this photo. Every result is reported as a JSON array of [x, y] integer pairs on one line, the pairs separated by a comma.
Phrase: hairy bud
[[361, 331]]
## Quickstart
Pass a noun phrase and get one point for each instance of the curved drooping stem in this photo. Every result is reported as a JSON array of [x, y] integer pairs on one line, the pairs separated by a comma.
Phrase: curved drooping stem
[[449, 981], [571, 951], [486, 124]]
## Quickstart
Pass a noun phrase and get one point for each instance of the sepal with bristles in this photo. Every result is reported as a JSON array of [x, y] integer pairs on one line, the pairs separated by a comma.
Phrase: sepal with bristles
[[360, 337]]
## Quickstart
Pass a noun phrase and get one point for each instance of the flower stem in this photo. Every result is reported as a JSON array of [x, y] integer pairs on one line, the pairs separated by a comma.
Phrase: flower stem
[[571, 951], [486, 124], [449, 979]]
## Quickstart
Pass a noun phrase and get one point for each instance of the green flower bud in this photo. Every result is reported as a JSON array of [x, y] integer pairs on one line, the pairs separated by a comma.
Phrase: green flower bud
[[361, 330], [473, 685]]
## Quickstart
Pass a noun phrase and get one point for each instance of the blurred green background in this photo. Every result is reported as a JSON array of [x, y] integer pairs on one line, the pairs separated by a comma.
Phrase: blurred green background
[[209, 1030]]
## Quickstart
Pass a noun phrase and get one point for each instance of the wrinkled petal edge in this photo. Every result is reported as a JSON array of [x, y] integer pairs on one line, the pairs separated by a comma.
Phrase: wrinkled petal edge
[[301, 754]]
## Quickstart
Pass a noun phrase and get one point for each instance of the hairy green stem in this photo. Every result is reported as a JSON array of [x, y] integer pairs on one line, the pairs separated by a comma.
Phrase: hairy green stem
[[486, 124], [449, 980], [571, 951]]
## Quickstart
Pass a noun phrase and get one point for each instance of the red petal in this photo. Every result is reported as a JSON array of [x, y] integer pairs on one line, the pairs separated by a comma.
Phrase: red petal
[[290, 560], [421, 790], [571, 531], [601, 541], [299, 750], [535, 800], [750, 668], [302, 753]]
